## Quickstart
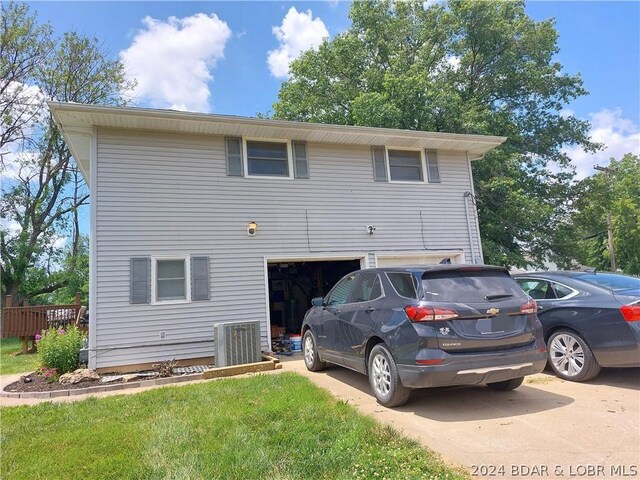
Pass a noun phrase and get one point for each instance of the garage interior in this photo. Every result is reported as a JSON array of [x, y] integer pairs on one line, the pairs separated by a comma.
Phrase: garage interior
[[292, 285]]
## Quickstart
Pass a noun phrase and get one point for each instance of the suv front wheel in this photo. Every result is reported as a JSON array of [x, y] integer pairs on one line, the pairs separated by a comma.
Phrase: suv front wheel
[[310, 350], [384, 379]]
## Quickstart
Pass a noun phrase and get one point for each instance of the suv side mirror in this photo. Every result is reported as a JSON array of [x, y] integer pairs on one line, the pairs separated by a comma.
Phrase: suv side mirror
[[317, 302]]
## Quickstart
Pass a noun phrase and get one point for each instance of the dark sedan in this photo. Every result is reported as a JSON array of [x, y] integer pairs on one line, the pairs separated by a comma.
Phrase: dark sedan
[[591, 320], [426, 326]]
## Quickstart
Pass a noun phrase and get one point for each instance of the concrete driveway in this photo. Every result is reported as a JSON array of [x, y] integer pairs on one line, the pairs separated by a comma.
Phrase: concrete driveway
[[547, 428]]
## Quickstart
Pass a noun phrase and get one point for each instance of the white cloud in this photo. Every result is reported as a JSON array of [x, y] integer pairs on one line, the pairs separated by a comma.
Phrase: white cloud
[[171, 61], [299, 32], [454, 62], [618, 135], [11, 228], [566, 113], [26, 106], [20, 165], [429, 3]]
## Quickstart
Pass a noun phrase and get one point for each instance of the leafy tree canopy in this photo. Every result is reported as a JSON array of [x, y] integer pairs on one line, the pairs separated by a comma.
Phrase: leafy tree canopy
[[464, 67], [584, 237], [42, 189]]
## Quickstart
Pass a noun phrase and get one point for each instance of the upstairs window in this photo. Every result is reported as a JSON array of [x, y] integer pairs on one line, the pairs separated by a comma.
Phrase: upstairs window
[[263, 158], [433, 168], [405, 166], [268, 158], [395, 165]]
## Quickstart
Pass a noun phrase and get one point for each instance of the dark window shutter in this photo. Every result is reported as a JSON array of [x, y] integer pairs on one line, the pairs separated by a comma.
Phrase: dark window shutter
[[379, 164], [433, 169], [234, 156], [200, 278], [140, 278], [300, 161]]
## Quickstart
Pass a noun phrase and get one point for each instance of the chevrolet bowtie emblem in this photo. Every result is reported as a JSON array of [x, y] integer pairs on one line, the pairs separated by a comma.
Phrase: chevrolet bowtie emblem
[[493, 311]]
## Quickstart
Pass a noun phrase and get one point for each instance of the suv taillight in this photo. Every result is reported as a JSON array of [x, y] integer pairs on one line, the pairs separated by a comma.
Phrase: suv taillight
[[631, 313], [528, 308], [424, 313]]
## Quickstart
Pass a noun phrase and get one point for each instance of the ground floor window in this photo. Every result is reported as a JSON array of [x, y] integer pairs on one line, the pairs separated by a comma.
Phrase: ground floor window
[[171, 279]]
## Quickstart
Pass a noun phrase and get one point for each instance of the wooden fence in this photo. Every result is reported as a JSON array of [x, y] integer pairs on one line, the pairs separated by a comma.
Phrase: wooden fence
[[28, 320]]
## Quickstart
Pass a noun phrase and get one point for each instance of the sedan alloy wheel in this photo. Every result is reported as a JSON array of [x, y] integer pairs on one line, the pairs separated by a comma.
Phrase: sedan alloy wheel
[[571, 358]]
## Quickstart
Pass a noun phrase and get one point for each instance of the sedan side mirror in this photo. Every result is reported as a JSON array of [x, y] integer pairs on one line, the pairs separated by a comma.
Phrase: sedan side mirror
[[317, 302]]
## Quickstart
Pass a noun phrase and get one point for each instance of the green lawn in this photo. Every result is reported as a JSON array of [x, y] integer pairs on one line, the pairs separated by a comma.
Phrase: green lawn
[[267, 426], [10, 363]]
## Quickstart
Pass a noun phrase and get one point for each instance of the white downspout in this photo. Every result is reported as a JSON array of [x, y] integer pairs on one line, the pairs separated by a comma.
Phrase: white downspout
[[466, 214], [93, 252]]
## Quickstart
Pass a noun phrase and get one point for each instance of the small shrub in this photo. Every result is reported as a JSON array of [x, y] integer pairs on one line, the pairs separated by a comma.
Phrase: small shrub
[[59, 348]]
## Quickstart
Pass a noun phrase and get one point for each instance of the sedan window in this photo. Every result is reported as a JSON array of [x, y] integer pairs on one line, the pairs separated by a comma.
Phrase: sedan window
[[561, 290], [536, 289]]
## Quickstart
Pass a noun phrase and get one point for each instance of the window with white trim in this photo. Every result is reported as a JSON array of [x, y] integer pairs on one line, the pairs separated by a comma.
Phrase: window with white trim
[[268, 158], [433, 166], [398, 165], [405, 165], [176, 279], [171, 276]]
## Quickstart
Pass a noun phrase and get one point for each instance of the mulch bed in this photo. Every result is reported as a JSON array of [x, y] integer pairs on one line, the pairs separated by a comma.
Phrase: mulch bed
[[39, 384]]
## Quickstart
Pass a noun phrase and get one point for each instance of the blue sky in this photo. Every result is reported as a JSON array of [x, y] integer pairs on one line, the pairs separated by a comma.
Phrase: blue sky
[[239, 52]]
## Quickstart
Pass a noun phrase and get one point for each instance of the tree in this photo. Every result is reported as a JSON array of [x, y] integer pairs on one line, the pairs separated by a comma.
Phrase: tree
[[464, 67], [23, 43], [615, 191], [45, 192]]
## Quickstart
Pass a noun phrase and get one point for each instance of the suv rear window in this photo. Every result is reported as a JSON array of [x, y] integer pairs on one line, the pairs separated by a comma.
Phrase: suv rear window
[[403, 283], [469, 286]]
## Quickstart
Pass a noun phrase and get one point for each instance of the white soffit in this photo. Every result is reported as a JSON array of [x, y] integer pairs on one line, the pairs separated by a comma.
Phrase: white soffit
[[77, 121]]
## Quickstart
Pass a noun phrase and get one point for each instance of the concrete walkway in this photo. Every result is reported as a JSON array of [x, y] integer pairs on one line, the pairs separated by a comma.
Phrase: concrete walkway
[[547, 428]]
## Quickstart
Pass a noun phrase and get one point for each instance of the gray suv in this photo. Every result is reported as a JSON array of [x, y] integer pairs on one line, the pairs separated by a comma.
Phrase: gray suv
[[426, 326]]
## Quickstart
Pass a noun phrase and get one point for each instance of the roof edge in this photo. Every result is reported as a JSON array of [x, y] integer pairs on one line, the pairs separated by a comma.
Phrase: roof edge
[[138, 112]]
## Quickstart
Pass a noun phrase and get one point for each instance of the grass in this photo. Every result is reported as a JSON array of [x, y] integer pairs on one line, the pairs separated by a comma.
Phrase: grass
[[10, 363], [266, 426]]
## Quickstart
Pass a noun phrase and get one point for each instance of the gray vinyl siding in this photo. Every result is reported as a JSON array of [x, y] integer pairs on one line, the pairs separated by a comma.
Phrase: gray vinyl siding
[[169, 195]]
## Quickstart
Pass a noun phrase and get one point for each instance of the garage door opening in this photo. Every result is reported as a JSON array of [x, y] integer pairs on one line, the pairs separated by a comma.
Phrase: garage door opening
[[292, 285]]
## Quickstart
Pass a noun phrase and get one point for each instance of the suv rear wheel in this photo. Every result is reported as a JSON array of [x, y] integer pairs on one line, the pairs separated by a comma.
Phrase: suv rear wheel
[[384, 379]]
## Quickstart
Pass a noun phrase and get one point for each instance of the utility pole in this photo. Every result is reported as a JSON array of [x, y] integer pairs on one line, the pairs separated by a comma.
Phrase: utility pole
[[612, 255]]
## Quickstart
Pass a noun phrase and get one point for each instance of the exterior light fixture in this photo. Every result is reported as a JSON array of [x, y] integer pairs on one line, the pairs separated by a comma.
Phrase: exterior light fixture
[[252, 229], [369, 229]]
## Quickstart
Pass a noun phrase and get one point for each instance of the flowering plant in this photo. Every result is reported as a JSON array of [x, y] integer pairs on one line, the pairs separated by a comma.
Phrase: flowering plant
[[49, 374], [59, 348]]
